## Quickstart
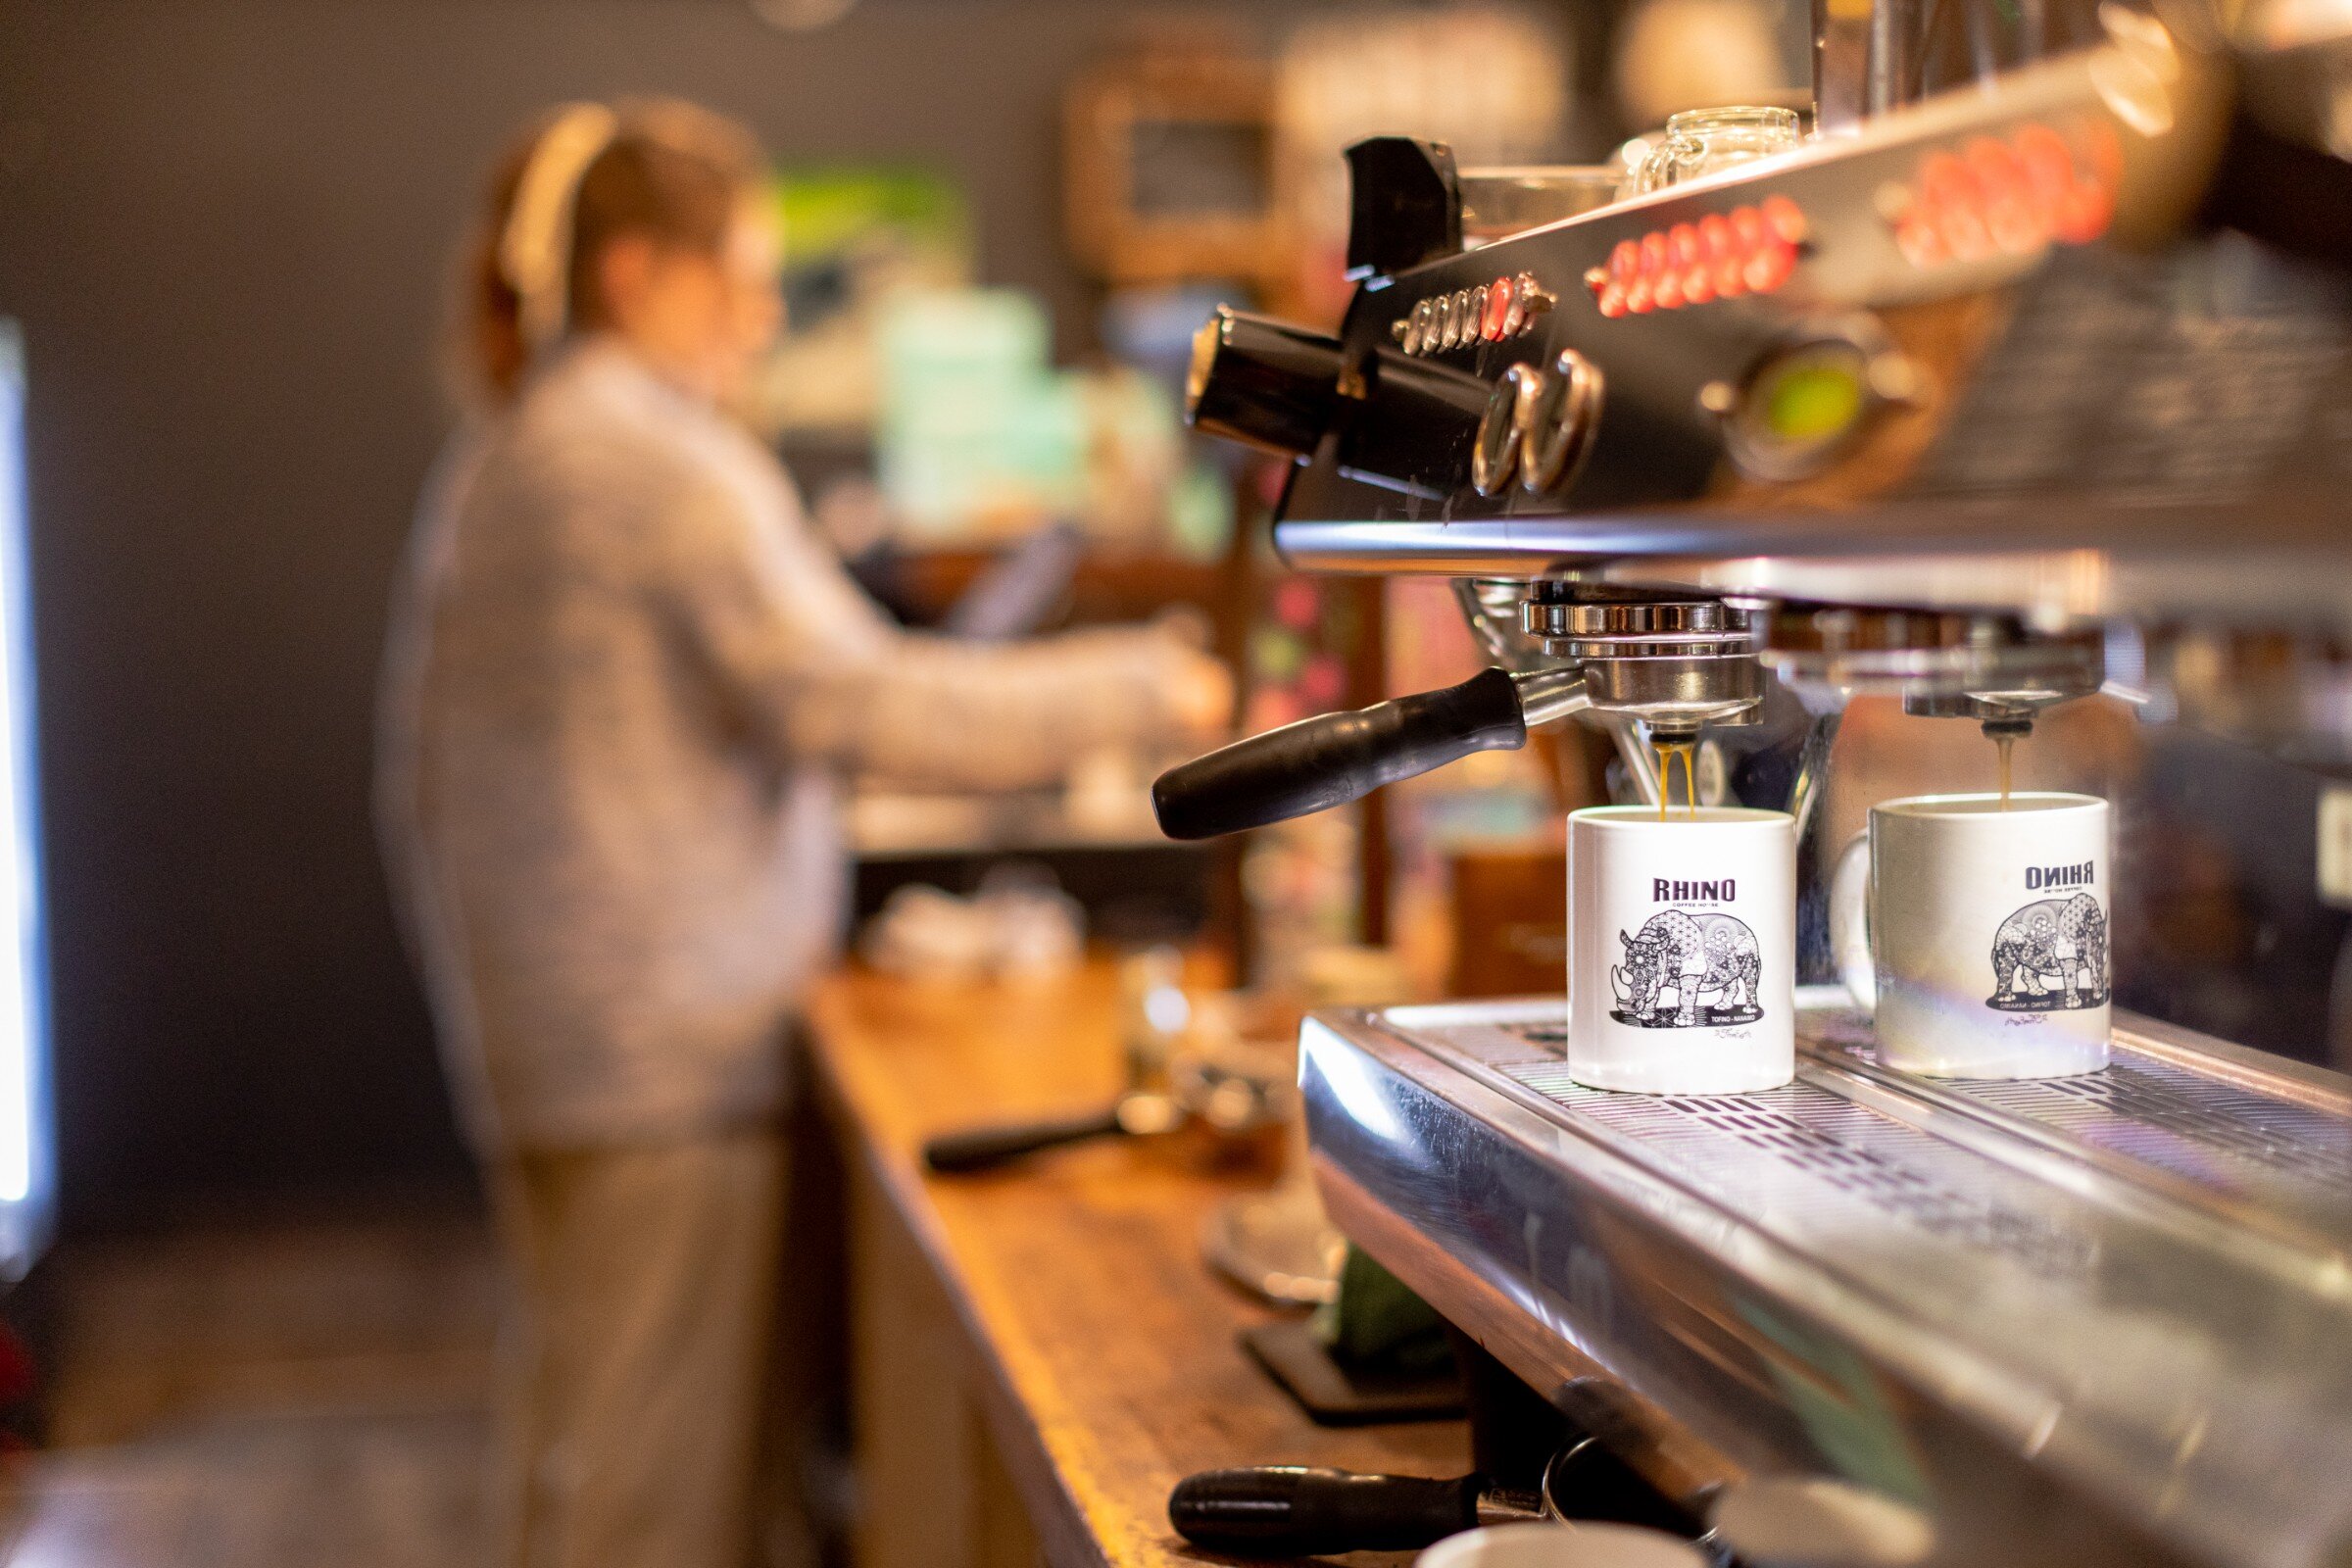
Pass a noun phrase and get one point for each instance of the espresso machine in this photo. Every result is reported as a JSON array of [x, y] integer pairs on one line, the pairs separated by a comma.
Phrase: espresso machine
[[2001, 388]]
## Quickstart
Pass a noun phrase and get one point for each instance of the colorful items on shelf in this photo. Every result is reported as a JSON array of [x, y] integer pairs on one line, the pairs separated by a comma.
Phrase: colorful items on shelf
[[979, 438]]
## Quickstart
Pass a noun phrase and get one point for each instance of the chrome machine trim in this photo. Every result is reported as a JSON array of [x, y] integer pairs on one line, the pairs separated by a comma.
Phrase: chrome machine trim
[[2088, 1322]]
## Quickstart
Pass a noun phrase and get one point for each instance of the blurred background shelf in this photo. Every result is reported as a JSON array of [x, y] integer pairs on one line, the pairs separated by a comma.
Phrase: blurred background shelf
[[1104, 588]]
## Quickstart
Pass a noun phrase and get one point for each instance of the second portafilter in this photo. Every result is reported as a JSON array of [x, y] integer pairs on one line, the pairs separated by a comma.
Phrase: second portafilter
[[1992, 668]]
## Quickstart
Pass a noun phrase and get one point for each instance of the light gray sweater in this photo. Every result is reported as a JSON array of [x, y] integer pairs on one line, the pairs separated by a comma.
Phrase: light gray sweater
[[622, 684]]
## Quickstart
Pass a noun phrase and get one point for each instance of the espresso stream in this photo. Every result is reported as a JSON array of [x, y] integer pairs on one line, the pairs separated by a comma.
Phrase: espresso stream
[[1668, 751], [1685, 751]]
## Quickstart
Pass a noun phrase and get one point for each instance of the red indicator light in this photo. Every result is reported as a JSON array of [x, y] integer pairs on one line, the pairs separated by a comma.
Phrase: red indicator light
[[2090, 205], [1786, 218], [1500, 295], [1964, 235], [1661, 266], [1769, 268], [1920, 244], [1646, 294], [2010, 196], [1715, 240], [1685, 255], [2087, 212], [2048, 170], [1720, 258], [2006, 195], [1749, 249]]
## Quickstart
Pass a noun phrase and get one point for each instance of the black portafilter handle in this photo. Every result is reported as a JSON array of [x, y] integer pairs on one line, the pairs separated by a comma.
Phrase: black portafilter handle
[[1292, 1511], [985, 1148], [1320, 762]]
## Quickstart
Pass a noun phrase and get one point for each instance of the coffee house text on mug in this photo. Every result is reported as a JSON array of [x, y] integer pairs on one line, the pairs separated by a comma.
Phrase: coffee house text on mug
[[1667, 890], [2058, 876]]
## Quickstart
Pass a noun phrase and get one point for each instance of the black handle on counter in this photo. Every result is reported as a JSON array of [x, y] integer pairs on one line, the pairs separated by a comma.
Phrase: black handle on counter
[[979, 1147], [1291, 1511], [1320, 762]]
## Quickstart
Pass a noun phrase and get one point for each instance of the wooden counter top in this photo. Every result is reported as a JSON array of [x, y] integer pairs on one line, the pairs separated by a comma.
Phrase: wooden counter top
[[1095, 1342]]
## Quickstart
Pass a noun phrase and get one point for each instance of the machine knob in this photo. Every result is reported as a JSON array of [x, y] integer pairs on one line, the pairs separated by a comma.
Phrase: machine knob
[[1262, 383], [1538, 426]]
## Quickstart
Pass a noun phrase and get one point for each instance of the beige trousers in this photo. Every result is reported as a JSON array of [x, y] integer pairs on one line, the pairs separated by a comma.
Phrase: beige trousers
[[634, 1368]]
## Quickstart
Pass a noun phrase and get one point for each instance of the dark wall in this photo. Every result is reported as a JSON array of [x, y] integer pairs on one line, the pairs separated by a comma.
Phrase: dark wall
[[224, 227]]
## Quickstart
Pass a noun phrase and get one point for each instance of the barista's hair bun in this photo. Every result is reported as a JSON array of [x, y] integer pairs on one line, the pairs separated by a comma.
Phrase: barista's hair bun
[[588, 174]]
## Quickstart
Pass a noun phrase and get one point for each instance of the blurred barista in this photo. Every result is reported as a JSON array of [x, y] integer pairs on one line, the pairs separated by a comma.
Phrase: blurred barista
[[623, 685]]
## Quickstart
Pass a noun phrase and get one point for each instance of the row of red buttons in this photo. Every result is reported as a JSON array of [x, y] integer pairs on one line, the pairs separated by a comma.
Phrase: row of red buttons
[[2011, 197], [1749, 249], [1994, 197]]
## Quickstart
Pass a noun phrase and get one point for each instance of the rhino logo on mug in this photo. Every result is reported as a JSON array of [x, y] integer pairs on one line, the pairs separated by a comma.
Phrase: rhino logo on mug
[[2051, 943], [1691, 956]]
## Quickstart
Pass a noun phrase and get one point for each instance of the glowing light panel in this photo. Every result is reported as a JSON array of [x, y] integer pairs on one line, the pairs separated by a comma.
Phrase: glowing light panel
[[25, 1153]]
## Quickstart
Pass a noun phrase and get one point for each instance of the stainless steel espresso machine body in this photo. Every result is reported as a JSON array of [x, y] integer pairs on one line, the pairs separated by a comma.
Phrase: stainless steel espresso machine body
[[1991, 400]]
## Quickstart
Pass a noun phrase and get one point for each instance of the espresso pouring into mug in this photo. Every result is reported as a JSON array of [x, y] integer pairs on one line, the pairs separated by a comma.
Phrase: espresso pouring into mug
[[1671, 665], [1976, 931], [1682, 950]]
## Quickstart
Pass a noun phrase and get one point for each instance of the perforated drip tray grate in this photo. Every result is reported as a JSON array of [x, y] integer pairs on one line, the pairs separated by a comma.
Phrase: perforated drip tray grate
[[2094, 1293], [2037, 1248], [1935, 1190], [2220, 1135], [1831, 1155], [2230, 1140]]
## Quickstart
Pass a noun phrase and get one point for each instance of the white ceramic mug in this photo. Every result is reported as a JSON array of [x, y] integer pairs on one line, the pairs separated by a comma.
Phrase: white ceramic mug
[[1682, 950], [1563, 1545], [1979, 937]]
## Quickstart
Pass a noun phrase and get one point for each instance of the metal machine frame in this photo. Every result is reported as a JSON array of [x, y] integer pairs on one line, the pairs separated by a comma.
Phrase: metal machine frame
[[2075, 1322]]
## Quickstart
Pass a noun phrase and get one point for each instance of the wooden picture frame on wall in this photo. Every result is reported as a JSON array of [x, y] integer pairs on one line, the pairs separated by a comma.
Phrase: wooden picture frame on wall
[[1169, 167]]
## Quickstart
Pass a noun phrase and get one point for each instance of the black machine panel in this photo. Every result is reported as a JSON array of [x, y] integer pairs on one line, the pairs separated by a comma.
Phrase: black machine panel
[[1941, 310]]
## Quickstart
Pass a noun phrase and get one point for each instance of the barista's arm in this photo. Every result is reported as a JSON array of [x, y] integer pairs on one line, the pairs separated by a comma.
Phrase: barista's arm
[[827, 675]]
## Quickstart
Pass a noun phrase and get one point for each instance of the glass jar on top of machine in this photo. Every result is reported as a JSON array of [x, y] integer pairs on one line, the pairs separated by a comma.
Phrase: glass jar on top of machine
[[1703, 141]]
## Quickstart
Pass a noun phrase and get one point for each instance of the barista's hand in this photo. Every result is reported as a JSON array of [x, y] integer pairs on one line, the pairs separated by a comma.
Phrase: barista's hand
[[1200, 697], [1199, 688]]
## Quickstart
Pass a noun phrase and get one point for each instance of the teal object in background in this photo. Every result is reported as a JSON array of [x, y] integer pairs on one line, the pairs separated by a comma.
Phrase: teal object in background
[[855, 238], [1377, 1321], [977, 435], [1201, 513]]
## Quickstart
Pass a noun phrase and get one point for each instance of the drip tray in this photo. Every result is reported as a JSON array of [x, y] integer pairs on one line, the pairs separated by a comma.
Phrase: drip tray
[[2266, 1144], [2137, 1279]]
